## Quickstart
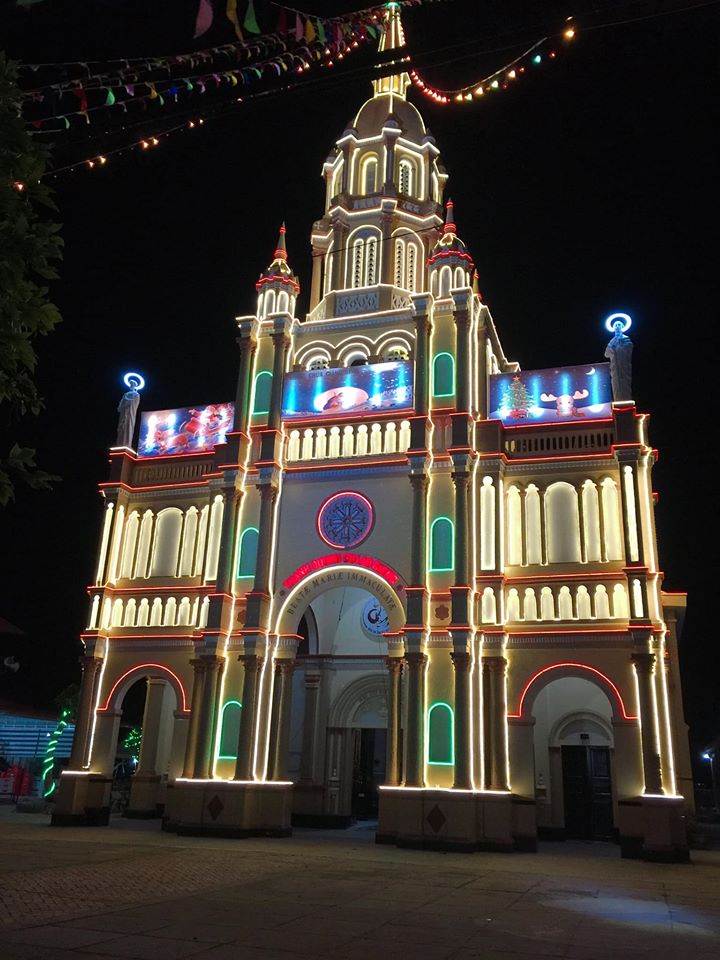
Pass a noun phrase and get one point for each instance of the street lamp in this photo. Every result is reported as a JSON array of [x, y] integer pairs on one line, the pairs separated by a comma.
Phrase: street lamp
[[711, 758]]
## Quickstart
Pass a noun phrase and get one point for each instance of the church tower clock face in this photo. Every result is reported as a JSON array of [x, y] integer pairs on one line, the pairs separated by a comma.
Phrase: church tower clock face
[[345, 520]]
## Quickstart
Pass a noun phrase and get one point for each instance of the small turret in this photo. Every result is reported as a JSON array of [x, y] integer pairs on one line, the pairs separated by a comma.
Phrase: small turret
[[277, 286], [450, 265]]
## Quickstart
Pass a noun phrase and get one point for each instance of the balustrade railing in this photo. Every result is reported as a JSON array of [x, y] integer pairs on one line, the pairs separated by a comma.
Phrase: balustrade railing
[[557, 442], [351, 440]]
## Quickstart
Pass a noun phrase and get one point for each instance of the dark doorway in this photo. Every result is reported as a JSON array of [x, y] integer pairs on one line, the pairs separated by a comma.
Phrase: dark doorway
[[368, 771], [587, 793]]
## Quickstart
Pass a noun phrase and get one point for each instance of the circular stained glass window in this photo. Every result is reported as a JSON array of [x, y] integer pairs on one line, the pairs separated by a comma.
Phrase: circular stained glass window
[[374, 617], [345, 520]]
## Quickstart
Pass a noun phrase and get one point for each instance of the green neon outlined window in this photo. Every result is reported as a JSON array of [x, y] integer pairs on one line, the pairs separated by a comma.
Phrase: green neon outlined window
[[248, 552], [229, 730], [441, 735], [443, 379], [263, 388], [442, 542]]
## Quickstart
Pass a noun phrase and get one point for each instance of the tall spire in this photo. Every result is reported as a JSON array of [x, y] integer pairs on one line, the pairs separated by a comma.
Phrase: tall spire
[[449, 218], [279, 271], [281, 250], [392, 38]]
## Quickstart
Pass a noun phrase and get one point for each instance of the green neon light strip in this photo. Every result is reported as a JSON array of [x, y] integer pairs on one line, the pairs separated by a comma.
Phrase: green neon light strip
[[451, 761], [431, 567], [263, 373], [226, 756], [436, 393]]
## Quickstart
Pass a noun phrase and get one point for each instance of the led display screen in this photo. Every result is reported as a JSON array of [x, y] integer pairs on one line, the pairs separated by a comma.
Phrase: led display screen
[[551, 396], [372, 387], [184, 430]]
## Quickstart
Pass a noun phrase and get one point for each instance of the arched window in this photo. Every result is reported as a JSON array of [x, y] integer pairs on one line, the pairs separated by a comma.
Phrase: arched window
[[441, 738], [143, 613], [130, 613], [514, 522], [530, 605], [602, 603], [621, 610], [166, 543], [562, 523], [216, 515], [248, 552], [263, 387], [513, 605], [488, 606], [364, 257], [229, 730], [128, 555], [612, 529], [445, 281], [412, 260], [371, 261], [443, 375], [368, 175], [399, 263], [565, 610], [187, 555], [318, 363], [184, 611], [406, 177], [532, 525], [582, 599], [441, 544]]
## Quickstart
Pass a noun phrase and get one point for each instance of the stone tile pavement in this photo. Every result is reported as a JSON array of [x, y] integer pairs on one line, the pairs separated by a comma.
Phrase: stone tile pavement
[[129, 890]]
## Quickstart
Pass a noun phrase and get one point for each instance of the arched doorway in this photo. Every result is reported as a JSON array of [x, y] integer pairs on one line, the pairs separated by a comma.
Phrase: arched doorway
[[574, 756], [139, 738], [338, 738]]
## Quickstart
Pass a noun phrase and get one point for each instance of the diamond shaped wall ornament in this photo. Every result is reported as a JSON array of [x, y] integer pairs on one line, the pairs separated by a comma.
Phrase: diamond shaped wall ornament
[[436, 819], [215, 807]]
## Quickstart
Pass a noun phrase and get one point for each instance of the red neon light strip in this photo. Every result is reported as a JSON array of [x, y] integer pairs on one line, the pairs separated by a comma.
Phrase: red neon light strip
[[580, 666], [346, 559], [142, 666]]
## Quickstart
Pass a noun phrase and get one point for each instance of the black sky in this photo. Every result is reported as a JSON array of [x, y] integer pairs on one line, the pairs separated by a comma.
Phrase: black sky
[[585, 189]]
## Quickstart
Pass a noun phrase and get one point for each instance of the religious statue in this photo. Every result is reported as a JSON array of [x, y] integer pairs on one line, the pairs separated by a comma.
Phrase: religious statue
[[619, 353], [127, 409]]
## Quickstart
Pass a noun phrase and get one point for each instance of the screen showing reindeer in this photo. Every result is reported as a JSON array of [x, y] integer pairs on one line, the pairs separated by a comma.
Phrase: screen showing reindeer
[[551, 396]]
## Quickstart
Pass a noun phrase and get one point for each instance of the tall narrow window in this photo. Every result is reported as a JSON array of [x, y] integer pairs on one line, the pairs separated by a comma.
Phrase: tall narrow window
[[405, 177], [411, 267], [370, 175], [371, 261], [229, 730], [440, 735], [263, 387], [443, 375], [358, 258], [248, 552], [562, 523], [441, 544], [399, 263], [166, 544]]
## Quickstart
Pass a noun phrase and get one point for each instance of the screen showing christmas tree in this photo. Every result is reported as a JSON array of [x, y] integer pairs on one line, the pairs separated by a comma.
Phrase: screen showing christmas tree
[[551, 396]]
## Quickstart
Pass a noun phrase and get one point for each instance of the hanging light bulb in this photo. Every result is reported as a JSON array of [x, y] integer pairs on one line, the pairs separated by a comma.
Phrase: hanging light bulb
[[569, 33]]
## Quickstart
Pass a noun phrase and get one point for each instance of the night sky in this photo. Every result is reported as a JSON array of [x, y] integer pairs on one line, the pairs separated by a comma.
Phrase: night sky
[[583, 190]]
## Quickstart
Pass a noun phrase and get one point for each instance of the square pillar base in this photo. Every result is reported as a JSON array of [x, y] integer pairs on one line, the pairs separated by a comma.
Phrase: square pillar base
[[229, 808], [147, 797], [456, 820], [82, 800], [653, 828]]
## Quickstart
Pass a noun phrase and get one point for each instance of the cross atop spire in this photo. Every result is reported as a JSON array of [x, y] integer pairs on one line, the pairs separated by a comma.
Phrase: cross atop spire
[[392, 38]]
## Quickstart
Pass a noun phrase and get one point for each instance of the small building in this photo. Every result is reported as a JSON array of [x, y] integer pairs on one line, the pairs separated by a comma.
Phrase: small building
[[25, 735], [398, 576]]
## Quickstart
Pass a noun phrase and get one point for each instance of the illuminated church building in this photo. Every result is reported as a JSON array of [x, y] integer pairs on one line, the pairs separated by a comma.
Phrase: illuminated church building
[[398, 576]]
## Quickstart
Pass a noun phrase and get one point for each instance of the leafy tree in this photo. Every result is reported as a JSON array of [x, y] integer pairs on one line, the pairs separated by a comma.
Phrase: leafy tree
[[30, 246]]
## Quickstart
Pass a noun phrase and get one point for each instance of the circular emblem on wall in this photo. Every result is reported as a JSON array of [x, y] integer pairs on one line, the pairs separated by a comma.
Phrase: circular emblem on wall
[[345, 519], [374, 617]]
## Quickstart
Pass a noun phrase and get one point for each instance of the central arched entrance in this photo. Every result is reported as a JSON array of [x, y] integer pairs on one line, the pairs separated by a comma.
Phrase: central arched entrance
[[337, 755]]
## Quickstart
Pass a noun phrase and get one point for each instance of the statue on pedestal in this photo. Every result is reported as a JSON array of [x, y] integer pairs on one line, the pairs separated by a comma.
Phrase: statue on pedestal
[[619, 353], [127, 409]]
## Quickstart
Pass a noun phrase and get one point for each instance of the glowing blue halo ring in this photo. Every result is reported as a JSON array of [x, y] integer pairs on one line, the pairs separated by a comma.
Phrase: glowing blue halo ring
[[614, 317], [137, 376]]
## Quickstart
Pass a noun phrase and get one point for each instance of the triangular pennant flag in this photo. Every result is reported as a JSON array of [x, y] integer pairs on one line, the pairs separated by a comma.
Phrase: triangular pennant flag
[[310, 33], [299, 28], [282, 21], [321, 31], [110, 99], [204, 18], [250, 22]]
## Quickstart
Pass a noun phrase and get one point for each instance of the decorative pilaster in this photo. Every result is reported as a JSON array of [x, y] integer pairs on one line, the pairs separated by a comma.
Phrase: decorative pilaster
[[392, 763], [203, 765], [247, 342], [495, 720], [543, 530], [462, 306], [419, 485], [307, 758], [268, 495], [197, 697], [88, 693], [280, 718], [415, 765], [151, 727], [462, 664], [244, 768], [281, 342], [460, 477], [645, 669]]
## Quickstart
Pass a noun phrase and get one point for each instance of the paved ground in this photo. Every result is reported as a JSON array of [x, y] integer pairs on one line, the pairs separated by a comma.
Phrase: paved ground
[[130, 891]]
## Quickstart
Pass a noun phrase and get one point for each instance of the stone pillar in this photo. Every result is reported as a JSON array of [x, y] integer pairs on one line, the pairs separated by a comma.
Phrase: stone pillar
[[645, 669], [245, 766], [88, 693], [197, 697], [315, 294], [462, 663], [312, 697], [419, 484], [339, 254], [462, 385], [387, 259], [247, 341], [460, 480], [205, 742], [268, 494], [523, 527], [280, 719], [151, 727], [392, 763], [601, 522], [543, 530], [495, 717], [422, 338], [415, 766], [581, 523], [231, 507], [281, 342]]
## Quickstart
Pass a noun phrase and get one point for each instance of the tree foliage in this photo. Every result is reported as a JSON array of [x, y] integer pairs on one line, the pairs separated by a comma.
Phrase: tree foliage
[[30, 248]]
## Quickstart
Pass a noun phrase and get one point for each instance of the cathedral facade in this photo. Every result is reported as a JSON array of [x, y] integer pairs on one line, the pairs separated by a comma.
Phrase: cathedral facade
[[397, 577]]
